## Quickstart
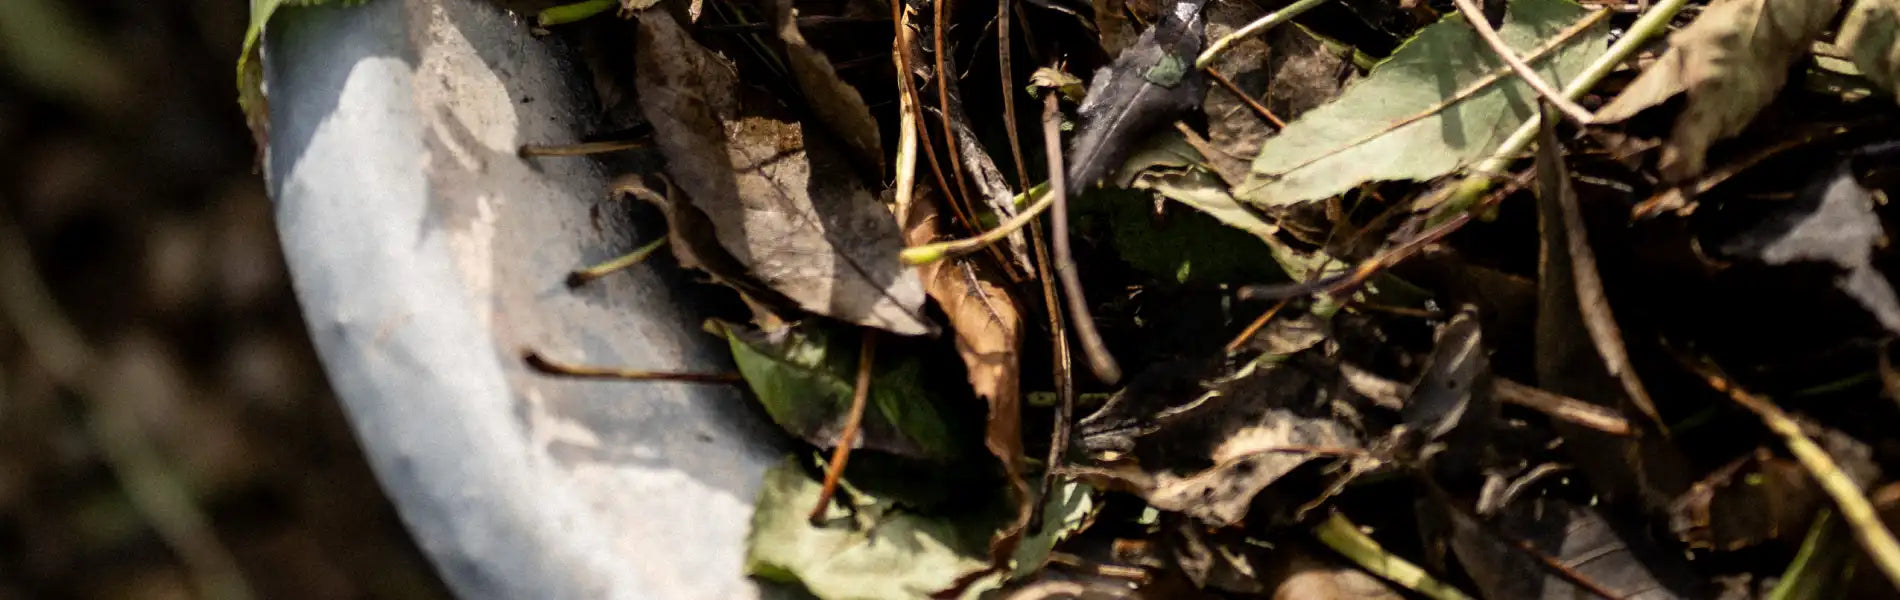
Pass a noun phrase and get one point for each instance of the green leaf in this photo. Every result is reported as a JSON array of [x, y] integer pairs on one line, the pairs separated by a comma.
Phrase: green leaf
[[804, 375], [250, 71], [1868, 33], [889, 553], [1190, 247], [1730, 61], [1069, 508], [1443, 101], [1205, 192]]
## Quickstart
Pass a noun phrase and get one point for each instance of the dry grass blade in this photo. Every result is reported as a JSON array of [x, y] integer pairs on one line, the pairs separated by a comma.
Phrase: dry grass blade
[[1561, 218], [550, 366], [1559, 406], [1100, 362], [853, 421], [1475, 16], [1278, 17], [1859, 513]]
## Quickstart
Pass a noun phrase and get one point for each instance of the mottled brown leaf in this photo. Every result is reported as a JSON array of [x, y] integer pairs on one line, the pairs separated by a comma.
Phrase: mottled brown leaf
[[1730, 61], [778, 194], [1287, 70]]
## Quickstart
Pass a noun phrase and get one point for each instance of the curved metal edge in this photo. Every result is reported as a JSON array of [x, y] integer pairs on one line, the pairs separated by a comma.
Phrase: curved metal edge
[[426, 255]]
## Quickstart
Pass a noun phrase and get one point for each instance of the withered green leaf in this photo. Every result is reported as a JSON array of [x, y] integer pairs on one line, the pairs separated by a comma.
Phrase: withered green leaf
[[771, 187], [1730, 61]]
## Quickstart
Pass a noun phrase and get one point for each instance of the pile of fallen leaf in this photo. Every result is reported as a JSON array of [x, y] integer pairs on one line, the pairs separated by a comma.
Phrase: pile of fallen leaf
[[1326, 298]]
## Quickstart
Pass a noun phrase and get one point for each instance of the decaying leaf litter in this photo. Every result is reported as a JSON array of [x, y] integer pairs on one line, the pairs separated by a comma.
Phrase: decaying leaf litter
[[1337, 298]]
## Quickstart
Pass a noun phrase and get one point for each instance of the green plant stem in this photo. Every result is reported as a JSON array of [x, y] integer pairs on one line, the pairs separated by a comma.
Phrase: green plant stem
[[928, 253], [1278, 17], [1461, 196], [1341, 535], [569, 13]]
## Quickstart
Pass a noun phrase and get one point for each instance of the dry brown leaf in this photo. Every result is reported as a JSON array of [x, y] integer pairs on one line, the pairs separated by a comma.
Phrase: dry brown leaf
[[1731, 61], [1287, 70], [777, 194], [832, 100], [1580, 351], [988, 327]]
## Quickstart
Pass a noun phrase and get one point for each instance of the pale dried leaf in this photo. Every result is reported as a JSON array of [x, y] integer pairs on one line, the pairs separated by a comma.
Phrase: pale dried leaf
[[1731, 61], [773, 193]]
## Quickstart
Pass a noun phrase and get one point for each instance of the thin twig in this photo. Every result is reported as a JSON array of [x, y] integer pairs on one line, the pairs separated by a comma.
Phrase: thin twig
[[1258, 108], [1258, 324], [1100, 362], [1862, 520], [1008, 72], [1475, 16], [940, 10], [1283, 15], [907, 88], [154, 488], [1558, 406], [582, 276], [841, 454], [581, 149], [1459, 197], [565, 369]]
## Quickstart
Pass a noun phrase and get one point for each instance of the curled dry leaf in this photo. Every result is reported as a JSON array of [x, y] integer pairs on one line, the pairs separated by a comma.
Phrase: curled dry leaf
[[1254, 426], [1147, 86], [1580, 352], [1731, 61], [1752, 499], [768, 186], [988, 328]]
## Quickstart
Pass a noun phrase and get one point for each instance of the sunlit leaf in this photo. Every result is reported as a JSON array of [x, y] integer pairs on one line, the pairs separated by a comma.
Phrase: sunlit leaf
[[880, 551], [1441, 102], [1730, 61]]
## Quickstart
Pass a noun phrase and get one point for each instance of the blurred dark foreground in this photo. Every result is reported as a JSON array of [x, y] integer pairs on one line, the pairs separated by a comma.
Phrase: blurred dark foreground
[[165, 430]]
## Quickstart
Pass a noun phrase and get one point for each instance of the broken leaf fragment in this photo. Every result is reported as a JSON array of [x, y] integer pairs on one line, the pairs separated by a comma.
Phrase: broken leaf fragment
[[1731, 61], [891, 554], [1441, 102], [776, 192], [804, 375]]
